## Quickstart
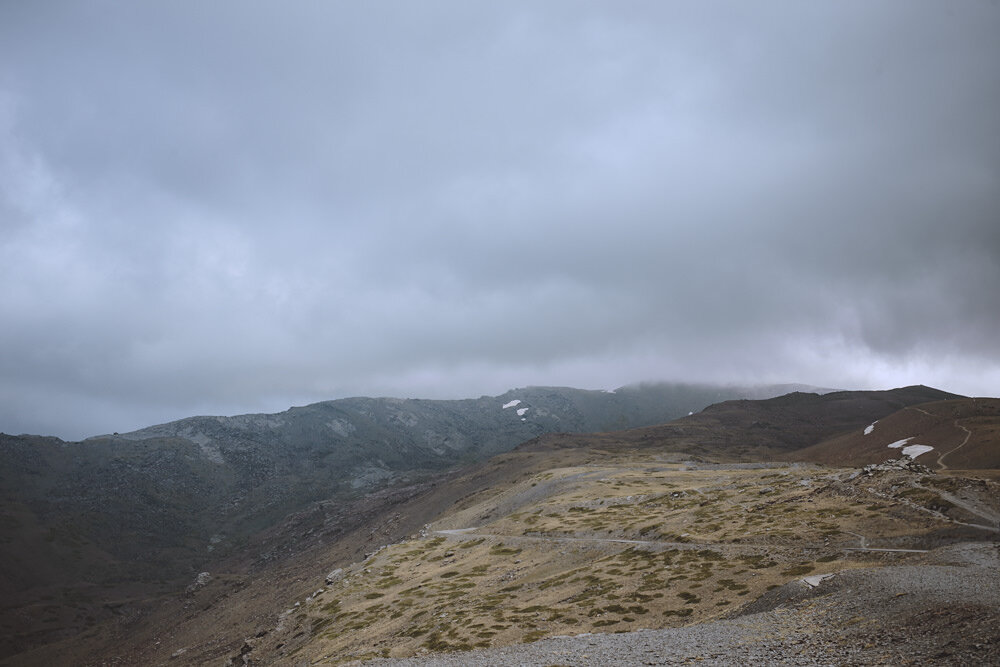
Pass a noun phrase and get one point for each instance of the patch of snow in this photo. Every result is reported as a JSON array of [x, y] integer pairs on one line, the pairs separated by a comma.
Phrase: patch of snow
[[815, 580], [524, 419], [511, 404], [521, 411], [870, 427], [690, 413], [900, 443], [913, 451]]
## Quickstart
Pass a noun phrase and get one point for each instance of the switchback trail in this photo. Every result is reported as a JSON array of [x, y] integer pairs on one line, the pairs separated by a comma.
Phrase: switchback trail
[[940, 458]]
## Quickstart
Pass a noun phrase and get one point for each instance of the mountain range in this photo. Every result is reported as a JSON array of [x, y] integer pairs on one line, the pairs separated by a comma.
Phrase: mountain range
[[132, 514], [205, 527]]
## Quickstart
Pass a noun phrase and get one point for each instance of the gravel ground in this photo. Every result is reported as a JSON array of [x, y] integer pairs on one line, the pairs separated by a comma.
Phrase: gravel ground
[[945, 610]]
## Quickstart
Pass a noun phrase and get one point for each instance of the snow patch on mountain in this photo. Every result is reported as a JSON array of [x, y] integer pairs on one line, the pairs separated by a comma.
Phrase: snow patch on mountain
[[913, 451], [511, 404]]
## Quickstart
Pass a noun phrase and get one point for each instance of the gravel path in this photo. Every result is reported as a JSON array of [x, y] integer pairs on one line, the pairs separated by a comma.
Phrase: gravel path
[[943, 611], [940, 458], [473, 534]]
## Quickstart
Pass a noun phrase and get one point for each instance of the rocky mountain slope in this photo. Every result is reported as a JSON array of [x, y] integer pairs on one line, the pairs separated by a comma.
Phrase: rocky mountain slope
[[627, 542], [556, 537], [89, 528]]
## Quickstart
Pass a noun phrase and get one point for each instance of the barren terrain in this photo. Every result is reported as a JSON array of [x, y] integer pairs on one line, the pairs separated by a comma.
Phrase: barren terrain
[[627, 543], [751, 532]]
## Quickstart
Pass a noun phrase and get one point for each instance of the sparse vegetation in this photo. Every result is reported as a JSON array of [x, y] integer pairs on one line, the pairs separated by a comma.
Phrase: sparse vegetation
[[556, 566], [582, 539]]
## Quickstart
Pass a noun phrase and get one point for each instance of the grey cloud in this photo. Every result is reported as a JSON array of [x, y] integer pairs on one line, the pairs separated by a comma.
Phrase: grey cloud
[[232, 207]]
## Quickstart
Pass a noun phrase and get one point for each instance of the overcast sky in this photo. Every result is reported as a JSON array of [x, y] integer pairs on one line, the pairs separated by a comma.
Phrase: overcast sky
[[228, 207]]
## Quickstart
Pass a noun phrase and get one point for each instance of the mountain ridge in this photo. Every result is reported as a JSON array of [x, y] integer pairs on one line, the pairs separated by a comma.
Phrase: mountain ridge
[[93, 550], [767, 427], [140, 512]]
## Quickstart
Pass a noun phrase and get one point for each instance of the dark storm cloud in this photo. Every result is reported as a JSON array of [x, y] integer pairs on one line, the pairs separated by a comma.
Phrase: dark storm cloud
[[225, 207]]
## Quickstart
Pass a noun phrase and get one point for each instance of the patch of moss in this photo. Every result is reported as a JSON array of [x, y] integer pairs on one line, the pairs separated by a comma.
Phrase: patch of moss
[[472, 543], [689, 597], [678, 612]]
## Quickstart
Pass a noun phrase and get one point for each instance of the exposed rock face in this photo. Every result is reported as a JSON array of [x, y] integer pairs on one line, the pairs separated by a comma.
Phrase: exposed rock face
[[902, 463], [200, 582]]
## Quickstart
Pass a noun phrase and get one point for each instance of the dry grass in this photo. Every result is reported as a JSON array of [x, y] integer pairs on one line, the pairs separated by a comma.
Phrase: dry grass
[[711, 540]]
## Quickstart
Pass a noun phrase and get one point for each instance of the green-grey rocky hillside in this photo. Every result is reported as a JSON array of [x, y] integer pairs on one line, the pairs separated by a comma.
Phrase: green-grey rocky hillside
[[270, 464]]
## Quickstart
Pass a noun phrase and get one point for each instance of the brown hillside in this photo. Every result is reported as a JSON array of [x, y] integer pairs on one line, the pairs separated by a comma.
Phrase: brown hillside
[[965, 435], [755, 430]]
